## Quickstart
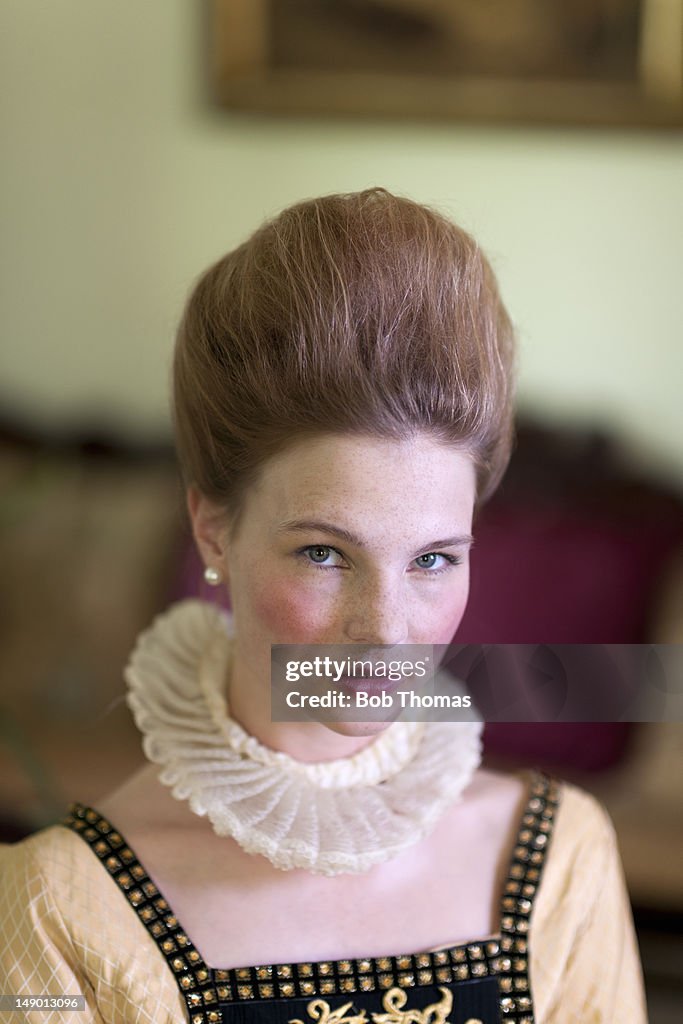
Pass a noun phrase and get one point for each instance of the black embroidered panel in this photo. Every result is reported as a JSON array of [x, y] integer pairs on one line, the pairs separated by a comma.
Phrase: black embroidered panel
[[474, 973], [472, 1002]]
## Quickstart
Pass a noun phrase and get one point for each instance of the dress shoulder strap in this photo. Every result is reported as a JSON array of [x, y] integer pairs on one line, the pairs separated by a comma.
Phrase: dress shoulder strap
[[528, 858], [195, 980]]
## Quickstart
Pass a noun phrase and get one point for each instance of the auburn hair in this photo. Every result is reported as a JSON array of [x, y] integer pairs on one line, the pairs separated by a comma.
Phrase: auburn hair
[[362, 313]]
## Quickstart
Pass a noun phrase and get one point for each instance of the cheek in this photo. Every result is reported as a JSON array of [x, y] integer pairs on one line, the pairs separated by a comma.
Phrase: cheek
[[287, 613], [445, 625], [446, 616]]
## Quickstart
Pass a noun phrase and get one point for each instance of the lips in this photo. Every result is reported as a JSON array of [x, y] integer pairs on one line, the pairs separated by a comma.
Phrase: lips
[[370, 685]]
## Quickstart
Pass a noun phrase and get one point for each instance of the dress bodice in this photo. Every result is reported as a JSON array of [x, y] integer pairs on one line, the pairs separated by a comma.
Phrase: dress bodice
[[479, 982]]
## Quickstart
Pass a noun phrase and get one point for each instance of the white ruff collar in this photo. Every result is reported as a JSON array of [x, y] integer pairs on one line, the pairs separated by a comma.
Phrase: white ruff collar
[[329, 817]]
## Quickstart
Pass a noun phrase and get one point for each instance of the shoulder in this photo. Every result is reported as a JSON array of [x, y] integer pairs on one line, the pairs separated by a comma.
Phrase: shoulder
[[583, 945], [582, 854], [582, 823], [48, 859], [496, 785], [44, 885], [53, 875], [488, 816], [497, 796], [581, 846], [65, 925]]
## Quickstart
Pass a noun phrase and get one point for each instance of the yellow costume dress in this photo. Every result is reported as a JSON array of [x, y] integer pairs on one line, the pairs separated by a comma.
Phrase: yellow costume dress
[[79, 915]]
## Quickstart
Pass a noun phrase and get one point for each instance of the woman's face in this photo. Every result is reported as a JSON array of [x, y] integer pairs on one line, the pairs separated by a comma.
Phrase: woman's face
[[348, 539]]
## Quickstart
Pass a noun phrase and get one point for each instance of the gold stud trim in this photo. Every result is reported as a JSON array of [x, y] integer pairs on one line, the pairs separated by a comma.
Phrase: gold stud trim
[[118, 858]]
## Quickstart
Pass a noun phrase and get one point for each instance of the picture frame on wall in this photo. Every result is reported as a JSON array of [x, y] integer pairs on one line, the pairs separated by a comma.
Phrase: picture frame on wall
[[588, 62]]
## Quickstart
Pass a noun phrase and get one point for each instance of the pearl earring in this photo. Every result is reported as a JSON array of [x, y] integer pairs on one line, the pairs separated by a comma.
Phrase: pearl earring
[[214, 577]]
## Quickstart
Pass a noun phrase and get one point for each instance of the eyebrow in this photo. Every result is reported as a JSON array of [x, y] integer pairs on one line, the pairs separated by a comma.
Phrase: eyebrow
[[307, 525]]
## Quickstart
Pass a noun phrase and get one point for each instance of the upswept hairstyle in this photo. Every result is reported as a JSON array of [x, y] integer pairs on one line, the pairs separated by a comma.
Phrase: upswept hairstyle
[[357, 313]]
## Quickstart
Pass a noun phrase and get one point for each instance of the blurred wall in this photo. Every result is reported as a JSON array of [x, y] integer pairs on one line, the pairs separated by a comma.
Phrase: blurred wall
[[120, 183]]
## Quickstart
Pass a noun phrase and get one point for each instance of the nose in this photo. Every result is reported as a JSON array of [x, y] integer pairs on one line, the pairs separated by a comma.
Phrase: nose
[[377, 613]]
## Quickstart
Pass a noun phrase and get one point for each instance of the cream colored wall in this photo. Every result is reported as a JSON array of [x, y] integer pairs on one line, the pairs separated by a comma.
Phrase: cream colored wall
[[120, 183]]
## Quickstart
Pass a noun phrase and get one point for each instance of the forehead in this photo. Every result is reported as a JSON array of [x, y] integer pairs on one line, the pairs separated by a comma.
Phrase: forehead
[[357, 478]]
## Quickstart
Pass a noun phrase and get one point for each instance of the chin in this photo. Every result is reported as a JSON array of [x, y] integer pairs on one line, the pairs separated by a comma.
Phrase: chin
[[358, 728]]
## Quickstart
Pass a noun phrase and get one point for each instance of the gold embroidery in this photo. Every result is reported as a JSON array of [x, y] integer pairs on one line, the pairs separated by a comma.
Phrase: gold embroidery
[[393, 1002], [319, 1010], [395, 999]]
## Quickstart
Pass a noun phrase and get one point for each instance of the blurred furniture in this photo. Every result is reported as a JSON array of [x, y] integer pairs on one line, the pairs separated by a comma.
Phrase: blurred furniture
[[87, 533]]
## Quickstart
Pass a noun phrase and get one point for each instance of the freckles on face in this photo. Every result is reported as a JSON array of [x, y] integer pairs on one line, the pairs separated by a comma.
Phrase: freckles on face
[[287, 614], [388, 502], [292, 614]]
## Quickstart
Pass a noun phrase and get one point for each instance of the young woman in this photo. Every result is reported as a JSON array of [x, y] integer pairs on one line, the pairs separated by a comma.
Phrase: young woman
[[342, 404]]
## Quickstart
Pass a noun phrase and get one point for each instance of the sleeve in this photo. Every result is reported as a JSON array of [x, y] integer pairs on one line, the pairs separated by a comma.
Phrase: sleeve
[[37, 955], [602, 980]]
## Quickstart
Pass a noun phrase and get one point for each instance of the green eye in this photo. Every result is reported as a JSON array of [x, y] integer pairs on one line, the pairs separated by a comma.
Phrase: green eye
[[318, 553], [321, 555], [426, 562]]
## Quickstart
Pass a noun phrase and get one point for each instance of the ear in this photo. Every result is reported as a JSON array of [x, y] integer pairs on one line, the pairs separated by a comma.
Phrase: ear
[[209, 529]]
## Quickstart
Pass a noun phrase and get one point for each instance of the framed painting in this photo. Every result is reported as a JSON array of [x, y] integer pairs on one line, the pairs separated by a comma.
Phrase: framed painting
[[584, 62]]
